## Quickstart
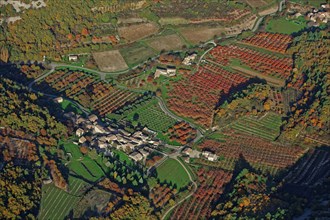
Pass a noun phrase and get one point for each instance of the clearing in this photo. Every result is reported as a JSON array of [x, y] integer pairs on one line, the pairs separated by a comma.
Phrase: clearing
[[169, 42], [136, 32], [110, 61], [171, 171]]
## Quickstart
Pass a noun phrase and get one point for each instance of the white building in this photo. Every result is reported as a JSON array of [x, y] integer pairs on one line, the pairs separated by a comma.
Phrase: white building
[[189, 59], [73, 58], [209, 155], [58, 100]]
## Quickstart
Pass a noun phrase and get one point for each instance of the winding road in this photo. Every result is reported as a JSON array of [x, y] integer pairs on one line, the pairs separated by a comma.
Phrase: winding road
[[186, 197], [83, 109]]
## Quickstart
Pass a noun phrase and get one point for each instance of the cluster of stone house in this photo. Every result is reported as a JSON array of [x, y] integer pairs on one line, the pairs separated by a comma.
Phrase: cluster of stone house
[[169, 72], [197, 154], [319, 16], [313, 15], [93, 133]]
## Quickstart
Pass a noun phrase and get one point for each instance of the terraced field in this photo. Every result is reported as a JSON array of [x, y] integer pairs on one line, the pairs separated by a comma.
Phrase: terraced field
[[267, 127], [57, 203]]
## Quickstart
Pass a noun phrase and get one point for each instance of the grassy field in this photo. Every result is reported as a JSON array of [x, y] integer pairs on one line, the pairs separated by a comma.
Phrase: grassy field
[[284, 26], [72, 149], [267, 127], [82, 165], [136, 53], [57, 203], [171, 171]]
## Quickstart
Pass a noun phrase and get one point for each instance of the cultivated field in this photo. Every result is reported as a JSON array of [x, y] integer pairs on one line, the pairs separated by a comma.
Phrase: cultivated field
[[171, 171], [267, 126], [169, 42], [268, 65], [259, 153], [196, 96], [57, 203], [116, 99], [311, 170], [93, 200], [110, 61], [136, 32], [211, 186], [88, 90]]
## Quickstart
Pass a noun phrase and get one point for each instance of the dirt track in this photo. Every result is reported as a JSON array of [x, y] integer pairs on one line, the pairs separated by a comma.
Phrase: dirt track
[[270, 80]]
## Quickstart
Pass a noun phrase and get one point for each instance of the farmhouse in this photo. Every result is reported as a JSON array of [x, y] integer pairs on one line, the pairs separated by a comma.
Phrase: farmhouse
[[209, 155], [73, 58], [191, 153]]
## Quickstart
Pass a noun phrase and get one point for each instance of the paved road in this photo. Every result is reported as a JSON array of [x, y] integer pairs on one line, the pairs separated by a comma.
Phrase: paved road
[[162, 105]]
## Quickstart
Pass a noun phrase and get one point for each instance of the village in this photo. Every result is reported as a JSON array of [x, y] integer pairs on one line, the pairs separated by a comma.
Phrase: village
[[93, 133]]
